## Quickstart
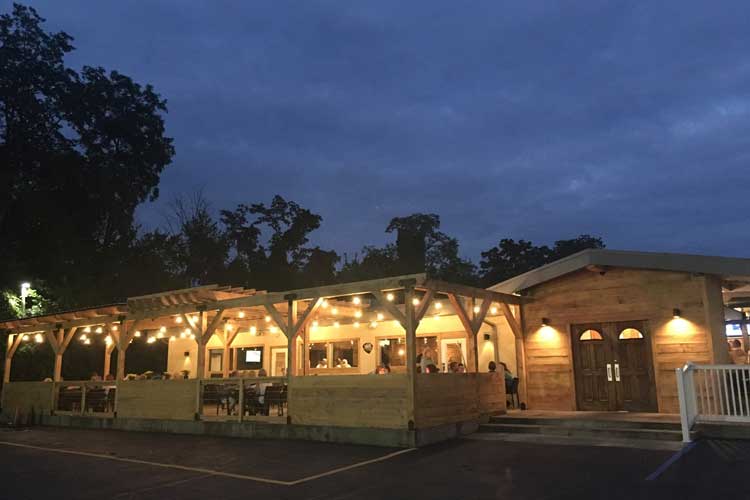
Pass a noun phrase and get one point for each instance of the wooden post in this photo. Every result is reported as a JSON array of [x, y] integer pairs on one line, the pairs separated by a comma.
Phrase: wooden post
[[13, 346], [291, 333], [411, 352], [108, 359], [745, 336], [201, 338], [225, 356]]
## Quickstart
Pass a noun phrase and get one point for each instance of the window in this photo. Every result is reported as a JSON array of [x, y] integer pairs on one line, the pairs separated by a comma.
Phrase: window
[[250, 358], [392, 351], [215, 360], [590, 335], [318, 355], [630, 333], [344, 353]]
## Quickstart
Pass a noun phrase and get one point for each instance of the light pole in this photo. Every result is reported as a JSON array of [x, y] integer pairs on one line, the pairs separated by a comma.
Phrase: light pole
[[25, 287]]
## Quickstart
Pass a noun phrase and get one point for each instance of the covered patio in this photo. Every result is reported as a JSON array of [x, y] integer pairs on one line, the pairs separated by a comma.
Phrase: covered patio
[[405, 355]]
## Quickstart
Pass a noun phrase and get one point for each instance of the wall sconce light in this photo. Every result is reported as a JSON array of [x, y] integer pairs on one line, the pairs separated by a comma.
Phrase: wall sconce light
[[676, 313], [187, 354], [486, 336], [545, 321]]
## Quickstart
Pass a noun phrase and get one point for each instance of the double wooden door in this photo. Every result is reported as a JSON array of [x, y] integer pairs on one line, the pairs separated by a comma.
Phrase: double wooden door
[[613, 366]]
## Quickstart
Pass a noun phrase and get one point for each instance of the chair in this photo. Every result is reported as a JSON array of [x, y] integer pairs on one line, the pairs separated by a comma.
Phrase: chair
[[273, 397], [96, 399], [512, 390], [251, 404]]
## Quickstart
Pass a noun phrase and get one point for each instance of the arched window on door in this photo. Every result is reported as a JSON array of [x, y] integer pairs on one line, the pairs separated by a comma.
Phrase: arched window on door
[[630, 334], [590, 335]]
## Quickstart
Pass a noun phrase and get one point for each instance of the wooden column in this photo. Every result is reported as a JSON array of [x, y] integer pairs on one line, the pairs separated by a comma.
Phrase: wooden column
[[410, 326], [12, 346], [201, 338], [122, 340], [291, 334], [108, 359], [745, 336]]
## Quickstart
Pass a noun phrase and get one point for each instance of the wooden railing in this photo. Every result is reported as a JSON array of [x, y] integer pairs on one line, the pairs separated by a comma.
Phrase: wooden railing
[[242, 398], [85, 397], [713, 393]]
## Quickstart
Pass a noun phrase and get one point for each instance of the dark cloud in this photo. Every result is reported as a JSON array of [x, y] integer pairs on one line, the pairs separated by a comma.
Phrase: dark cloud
[[534, 120]]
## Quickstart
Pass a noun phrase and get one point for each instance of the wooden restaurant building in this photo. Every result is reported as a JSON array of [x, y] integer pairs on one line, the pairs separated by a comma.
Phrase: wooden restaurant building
[[600, 330]]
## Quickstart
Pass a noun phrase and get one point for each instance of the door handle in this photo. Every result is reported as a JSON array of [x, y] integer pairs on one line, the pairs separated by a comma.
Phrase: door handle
[[617, 372], [609, 372]]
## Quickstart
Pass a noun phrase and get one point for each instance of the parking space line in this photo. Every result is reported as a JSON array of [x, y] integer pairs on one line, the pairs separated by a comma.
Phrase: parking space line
[[211, 471]]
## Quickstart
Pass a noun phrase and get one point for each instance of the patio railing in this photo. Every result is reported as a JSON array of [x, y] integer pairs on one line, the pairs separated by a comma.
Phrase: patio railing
[[243, 398], [712, 393], [85, 397]]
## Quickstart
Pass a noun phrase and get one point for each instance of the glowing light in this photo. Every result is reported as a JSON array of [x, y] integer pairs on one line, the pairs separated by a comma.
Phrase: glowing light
[[356, 324], [241, 314], [547, 333], [87, 329], [380, 316], [151, 340], [324, 304], [82, 337], [253, 330], [436, 317], [183, 335], [192, 336], [273, 329], [476, 309], [87, 342], [160, 335], [108, 340], [400, 352], [493, 310], [396, 322], [334, 311], [356, 301], [114, 328], [137, 333], [172, 338], [373, 324], [438, 305], [357, 314], [38, 338], [98, 329], [163, 329], [178, 319], [415, 301], [389, 297], [194, 319], [227, 326], [336, 324], [267, 319], [315, 323]]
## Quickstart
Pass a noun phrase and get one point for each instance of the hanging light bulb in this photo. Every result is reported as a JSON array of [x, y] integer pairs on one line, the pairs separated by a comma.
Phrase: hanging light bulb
[[160, 335], [87, 342], [151, 340], [82, 337], [273, 329], [324, 304], [163, 329], [356, 324], [194, 318], [178, 319], [415, 301], [389, 297], [183, 335], [356, 300], [108, 340], [87, 329], [493, 310], [267, 318], [98, 329], [38, 338], [357, 314], [253, 330], [380, 316], [227, 326], [438, 305], [172, 338], [476, 309], [137, 333], [334, 311], [114, 328], [315, 323], [373, 324], [336, 324], [192, 336]]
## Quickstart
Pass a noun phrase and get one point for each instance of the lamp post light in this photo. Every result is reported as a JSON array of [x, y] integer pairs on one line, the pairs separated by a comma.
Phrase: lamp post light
[[25, 287]]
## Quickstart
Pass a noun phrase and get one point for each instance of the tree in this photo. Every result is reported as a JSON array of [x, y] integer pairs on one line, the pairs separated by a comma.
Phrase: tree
[[79, 152], [511, 258]]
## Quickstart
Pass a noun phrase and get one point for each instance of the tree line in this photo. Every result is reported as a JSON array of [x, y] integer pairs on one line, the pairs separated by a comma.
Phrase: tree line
[[81, 149]]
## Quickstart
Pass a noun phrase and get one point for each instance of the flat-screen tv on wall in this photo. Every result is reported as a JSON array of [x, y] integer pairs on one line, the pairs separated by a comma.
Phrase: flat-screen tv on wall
[[250, 358]]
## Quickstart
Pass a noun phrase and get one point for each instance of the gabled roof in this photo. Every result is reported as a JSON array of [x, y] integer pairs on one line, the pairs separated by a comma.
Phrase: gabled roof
[[729, 268]]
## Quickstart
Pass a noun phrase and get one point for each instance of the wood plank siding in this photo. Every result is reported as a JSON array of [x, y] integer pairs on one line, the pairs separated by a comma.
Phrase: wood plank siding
[[618, 295]]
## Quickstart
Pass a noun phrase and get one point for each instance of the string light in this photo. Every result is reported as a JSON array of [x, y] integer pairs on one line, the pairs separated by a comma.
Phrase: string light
[[163, 329], [114, 328], [389, 297], [336, 324], [415, 301], [227, 326], [82, 337], [183, 335], [178, 319], [356, 324], [137, 333], [241, 314], [357, 314], [160, 335], [151, 340], [324, 304], [87, 342], [396, 322], [493, 310], [334, 311], [380, 316], [192, 336], [373, 324], [25, 338], [98, 329], [438, 305], [315, 323], [356, 301], [172, 338], [436, 317], [87, 329], [108, 340], [38, 338], [267, 318], [194, 318], [273, 329], [253, 330]]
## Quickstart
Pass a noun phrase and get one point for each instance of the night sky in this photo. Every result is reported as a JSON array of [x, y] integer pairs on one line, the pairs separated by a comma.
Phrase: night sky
[[533, 120]]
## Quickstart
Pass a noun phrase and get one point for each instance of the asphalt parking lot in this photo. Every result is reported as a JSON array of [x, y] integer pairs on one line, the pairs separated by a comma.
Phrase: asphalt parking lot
[[80, 464]]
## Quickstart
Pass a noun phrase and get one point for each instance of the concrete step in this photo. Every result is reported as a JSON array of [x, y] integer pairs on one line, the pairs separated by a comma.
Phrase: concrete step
[[610, 432], [586, 423], [544, 439]]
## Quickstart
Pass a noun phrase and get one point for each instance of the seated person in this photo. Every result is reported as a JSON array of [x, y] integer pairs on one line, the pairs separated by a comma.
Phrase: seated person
[[382, 370], [461, 368], [344, 363], [95, 377], [737, 353], [432, 368], [322, 364]]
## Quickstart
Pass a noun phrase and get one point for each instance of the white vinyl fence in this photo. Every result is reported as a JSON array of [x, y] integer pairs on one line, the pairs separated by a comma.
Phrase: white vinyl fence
[[713, 393]]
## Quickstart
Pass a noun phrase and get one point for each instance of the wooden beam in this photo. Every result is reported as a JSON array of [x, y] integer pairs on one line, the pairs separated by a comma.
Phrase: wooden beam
[[470, 291], [424, 305], [277, 318], [476, 322], [515, 326], [291, 352], [307, 316], [411, 354], [52, 339], [458, 308], [390, 307], [213, 325]]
